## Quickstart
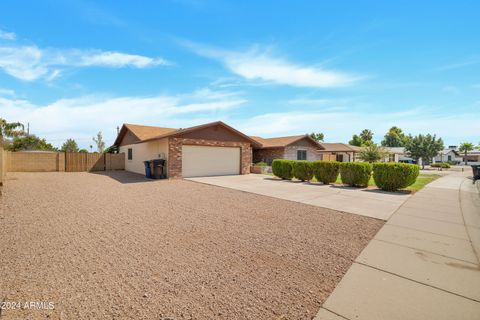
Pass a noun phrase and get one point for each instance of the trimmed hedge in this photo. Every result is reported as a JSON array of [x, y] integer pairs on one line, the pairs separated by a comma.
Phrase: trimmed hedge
[[443, 165], [303, 170], [355, 174], [283, 168], [326, 171], [392, 176], [261, 164]]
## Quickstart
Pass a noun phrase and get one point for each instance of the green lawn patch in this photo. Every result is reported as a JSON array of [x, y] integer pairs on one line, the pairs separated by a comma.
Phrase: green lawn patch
[[422, 180]]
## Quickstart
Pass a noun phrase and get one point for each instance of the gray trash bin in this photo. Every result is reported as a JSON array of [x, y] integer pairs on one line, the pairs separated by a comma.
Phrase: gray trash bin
[[476, 172], [159, 169]]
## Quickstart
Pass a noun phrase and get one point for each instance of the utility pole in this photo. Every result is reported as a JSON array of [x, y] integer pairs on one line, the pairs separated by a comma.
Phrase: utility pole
[[28, 129]]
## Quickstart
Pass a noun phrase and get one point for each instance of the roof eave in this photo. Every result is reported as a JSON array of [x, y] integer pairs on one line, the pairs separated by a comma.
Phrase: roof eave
[[186, 130]]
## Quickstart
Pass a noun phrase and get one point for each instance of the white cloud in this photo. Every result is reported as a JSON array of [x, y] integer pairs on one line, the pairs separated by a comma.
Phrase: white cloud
[[7, 35], [7, 92], [338, 126], [119, 60], [30, 63], [24, 63], [261, 64], [81, 117]]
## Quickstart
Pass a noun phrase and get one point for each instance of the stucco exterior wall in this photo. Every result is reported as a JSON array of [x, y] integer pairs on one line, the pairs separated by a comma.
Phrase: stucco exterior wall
[[142, 152], [444, 157]]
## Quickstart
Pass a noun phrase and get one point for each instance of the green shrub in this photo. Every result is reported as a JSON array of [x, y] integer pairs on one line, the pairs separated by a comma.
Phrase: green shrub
[[392, 176], [355, 174], [283, 168], [326, 171], [443, 165], [261, 164], [303, 170]]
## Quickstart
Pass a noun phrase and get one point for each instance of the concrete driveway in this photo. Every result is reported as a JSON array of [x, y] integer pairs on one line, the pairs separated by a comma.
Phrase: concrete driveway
[[366, 202]]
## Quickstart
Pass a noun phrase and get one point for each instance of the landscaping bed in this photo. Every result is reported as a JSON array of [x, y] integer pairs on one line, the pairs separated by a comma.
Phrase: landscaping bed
[[422, 180], [387, 176], [114, 245]]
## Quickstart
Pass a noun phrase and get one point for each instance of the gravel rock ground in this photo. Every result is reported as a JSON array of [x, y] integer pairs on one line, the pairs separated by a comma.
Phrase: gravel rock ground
[[115, 246]]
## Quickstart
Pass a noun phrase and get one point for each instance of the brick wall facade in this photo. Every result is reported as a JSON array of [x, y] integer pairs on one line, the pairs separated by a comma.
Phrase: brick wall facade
[[175, 153], [267, 155]]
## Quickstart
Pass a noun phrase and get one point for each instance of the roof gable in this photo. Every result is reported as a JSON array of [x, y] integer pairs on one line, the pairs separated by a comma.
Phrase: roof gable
[[134, 133], [281, 142], [339, 147], [148, 133]]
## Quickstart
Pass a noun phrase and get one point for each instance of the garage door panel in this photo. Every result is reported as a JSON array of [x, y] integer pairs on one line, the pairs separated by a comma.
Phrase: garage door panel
[[198, 161]]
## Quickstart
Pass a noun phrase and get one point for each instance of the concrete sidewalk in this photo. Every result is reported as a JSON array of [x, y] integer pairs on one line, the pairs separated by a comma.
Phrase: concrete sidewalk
[[366, 202], [423, 264]]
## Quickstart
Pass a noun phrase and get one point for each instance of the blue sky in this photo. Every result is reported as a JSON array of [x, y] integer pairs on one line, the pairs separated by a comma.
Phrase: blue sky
[[268, 68]]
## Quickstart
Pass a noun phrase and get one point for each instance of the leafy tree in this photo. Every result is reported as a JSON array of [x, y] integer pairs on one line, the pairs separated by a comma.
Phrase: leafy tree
[[372, 153], [30, 142], [69, 146], [111, 149], [366, 135], [465, 147], [10, 130], [317, 136], [83, 150], [364, 138], [356, 141], [423, 147], [99, 141], [394, 138]]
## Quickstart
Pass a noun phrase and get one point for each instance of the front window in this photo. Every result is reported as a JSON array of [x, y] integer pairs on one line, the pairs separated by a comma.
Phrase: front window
[[130, 153], [301, 154]]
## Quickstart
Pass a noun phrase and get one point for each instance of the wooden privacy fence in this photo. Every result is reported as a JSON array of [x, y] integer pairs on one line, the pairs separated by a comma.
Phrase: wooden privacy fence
[[79, 161], [60, 161], [3, 165]]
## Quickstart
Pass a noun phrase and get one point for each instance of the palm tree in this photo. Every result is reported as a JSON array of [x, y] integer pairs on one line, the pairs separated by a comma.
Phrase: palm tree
[[366, 135], [10, 130], [465, 147]]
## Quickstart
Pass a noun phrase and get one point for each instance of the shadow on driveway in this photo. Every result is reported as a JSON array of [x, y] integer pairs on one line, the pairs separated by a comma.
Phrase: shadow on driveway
[[124, 176]]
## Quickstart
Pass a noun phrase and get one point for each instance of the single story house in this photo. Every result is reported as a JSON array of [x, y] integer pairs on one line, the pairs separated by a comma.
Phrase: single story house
[[473, 157], [338, 152], [301, 147], [205, 150], [397, 154], [448, 155]]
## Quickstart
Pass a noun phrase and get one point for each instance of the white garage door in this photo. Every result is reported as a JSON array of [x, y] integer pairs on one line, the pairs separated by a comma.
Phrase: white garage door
[[200, 161]]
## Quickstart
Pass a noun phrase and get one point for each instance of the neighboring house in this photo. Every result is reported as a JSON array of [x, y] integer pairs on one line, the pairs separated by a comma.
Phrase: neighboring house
[[397, 154], [293, 147], [473, 157], [447, 155], [206, 150], [338, 152]]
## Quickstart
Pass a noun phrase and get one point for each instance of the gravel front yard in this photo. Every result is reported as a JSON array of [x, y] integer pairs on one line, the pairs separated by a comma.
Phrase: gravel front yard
[[120, 247]]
